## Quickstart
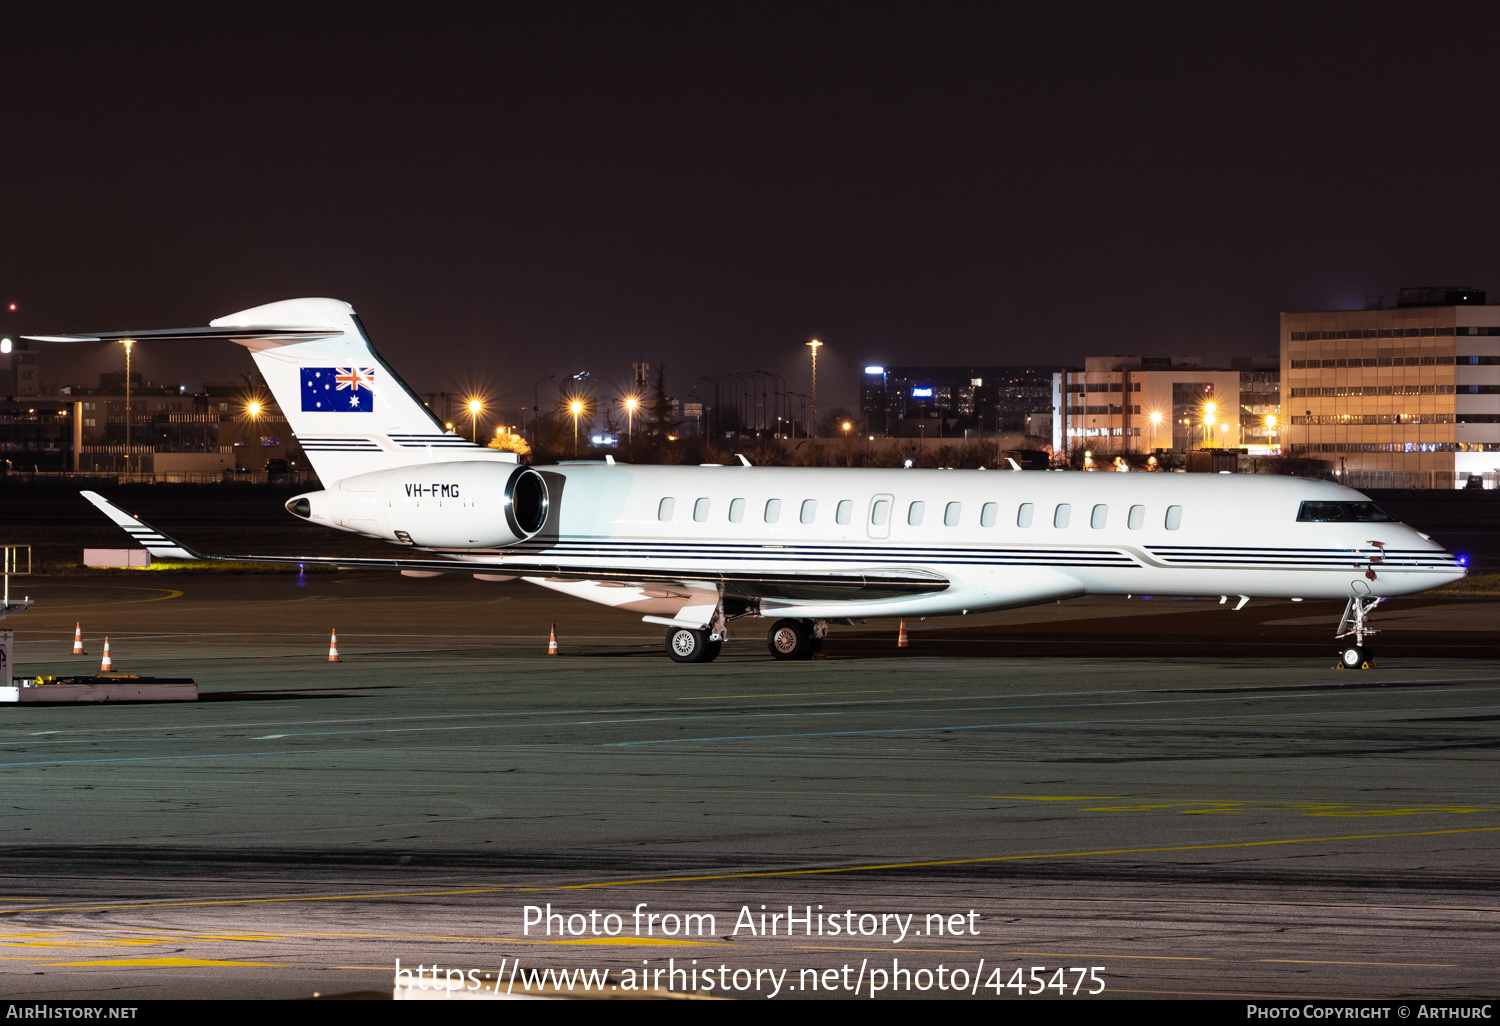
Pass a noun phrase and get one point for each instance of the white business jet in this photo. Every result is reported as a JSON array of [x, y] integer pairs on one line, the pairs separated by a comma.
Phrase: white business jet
[[694, 548]]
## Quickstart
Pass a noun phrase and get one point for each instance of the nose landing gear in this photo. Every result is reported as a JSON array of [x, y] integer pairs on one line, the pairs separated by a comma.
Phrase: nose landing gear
[[1356, 656]]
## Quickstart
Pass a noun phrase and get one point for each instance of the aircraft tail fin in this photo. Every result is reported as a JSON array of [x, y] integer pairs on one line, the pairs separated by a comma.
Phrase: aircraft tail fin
[[350, 411]]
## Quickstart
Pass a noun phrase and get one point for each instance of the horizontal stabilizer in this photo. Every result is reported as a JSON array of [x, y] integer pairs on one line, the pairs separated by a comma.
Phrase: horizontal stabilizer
[[284, 335]]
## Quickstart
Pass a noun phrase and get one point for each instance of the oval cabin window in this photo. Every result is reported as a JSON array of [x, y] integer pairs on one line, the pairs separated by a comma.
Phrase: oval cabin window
[[736, 510], [700, 510], [664, 511], [773, 510], [845, 512], [1099, 517], [1062, 515], [914, 513], [1137, 519], [809, 510], [987, 514], [1025, 513], [880, 513], [950, 514], [1174, 517]]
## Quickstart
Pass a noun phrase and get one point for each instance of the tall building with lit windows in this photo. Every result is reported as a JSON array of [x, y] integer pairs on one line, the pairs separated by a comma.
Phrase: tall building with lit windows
[[1399, 397], [1143, 403]]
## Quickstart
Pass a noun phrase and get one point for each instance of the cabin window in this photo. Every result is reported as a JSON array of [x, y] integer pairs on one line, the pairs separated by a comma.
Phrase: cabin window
[[1062, 514], [950, 514], [1024, 514], [987, 514], [1099, 517], [1137, 518], [664, 511], [700, 510], [809, 510], [880, 512], [736, 510], [845, 512], [914, 513], [773, 510], [1174, 517]]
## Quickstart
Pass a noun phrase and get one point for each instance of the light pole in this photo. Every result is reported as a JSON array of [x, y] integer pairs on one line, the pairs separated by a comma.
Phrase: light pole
[[576, 406], [814, 344], [1271, 428], [129, 344], [1210, 412], [474, 407], [631, 402], [536, 408], [776, 397]]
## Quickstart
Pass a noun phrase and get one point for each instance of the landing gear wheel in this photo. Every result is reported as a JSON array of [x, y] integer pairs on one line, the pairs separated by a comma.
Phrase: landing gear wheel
[[714, 648], [792, 639], [686, 645], [1356, 657]]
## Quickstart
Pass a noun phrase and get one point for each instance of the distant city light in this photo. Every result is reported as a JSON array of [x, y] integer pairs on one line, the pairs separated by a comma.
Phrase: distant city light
[[874, 370], [12, 308], [253, 408], [5, 345]]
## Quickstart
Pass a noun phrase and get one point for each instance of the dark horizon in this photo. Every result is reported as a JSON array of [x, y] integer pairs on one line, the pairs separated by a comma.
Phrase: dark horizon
[[507, 196]]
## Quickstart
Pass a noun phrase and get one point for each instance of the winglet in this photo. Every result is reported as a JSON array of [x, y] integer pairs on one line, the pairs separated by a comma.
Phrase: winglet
[[160, 546]]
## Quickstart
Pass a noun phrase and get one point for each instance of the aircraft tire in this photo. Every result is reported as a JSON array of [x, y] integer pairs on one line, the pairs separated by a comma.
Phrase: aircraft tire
[[791, 639], [1356, 657], [686, 645], [713, 650]]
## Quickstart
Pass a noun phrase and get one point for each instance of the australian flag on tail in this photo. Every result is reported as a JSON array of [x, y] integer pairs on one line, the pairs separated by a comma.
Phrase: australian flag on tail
[[338, 389]]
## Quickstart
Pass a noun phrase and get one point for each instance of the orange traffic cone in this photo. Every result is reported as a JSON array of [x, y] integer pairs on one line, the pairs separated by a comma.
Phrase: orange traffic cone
[[107, 666], [901, 641], [552, 641], [78, 639], [333, 647]]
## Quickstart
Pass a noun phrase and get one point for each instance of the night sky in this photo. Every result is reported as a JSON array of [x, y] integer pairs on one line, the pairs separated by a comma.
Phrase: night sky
[[504, 196]]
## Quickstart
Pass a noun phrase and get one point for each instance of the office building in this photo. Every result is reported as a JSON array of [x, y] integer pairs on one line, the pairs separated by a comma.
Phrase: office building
[[1122, 404], [1399, 397], [913, 401]]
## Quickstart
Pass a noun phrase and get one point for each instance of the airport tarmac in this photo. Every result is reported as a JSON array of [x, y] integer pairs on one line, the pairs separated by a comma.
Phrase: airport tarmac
[[1216, 812]]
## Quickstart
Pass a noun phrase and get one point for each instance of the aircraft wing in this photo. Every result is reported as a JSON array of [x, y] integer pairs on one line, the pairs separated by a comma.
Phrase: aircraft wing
[[886, 581]]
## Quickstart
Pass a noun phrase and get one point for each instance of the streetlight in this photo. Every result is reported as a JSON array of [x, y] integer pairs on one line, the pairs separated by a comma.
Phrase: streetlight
[[474, 407], [253, 409], [814, 344], [576, 406], [1210, 410], [1271, 428], [1155, 423], [631, 404]]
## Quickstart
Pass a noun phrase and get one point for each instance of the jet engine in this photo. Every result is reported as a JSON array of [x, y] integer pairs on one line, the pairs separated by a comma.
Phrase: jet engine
[[460, 505]]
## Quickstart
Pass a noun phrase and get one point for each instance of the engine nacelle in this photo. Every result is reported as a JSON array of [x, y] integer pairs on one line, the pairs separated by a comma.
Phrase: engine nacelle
[[441, 505]]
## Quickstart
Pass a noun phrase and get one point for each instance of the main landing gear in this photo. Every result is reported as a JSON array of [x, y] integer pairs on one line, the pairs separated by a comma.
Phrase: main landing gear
[[1355, 655], [686, 645], [796, 639]]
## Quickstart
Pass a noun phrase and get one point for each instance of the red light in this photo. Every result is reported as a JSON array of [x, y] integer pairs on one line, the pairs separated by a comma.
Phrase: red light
[[12, 308]]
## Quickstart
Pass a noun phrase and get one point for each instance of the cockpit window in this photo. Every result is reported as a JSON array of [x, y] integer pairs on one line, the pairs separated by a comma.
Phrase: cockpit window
[[1342, 513]]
